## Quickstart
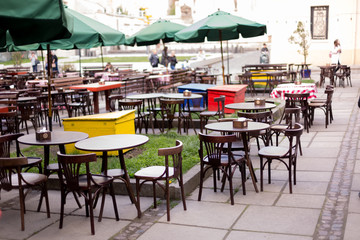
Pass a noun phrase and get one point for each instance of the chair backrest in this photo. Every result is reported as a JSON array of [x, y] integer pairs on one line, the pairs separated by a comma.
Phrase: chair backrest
[[214, 146], [5, 141], [113, 99], [70, 167], [9, 122], [293, 134], [7, 166], [170, 106], [265, 117], [221, 105], [291, 116], [297, 99], [129, 105], [174, 153], [208, 79], [329, 93], [27, 109]]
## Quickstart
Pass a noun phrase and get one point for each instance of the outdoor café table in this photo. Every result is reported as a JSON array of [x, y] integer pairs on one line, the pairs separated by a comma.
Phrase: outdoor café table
[[57, 138], [250, 106], [26, 99], [117, 142], [96, 88], [252, 127], [149, 97], [281, 89]]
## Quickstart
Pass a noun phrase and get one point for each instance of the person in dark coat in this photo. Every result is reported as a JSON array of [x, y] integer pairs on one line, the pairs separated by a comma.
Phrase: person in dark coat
[[172, 60], [154, 59]]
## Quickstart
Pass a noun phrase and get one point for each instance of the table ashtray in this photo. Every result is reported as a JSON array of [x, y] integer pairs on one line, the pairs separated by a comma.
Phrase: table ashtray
[[102, 82], [298, 82], [240, 123], [60, 90], [187, 93], [43, 135], [259, 102]]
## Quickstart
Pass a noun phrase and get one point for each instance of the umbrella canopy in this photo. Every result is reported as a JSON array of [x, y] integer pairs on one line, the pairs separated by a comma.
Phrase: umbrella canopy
[[220, 26], [87, 33], [229, 25], [33, 21], [160, 30]]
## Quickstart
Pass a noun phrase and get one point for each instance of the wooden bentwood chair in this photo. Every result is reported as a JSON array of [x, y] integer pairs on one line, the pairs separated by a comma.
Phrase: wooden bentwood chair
[[87, 185], [11, 177], [165, 173], [220, 158], [271, 153]]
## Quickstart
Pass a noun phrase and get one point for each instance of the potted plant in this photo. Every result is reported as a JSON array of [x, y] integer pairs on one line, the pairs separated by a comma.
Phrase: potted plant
[[301, 38]]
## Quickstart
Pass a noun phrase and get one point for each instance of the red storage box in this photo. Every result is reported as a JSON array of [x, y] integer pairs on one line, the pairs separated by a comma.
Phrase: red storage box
[[232, 93]]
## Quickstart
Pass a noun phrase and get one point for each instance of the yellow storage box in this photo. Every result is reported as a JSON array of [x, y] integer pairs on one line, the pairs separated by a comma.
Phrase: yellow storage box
[[120, 122]]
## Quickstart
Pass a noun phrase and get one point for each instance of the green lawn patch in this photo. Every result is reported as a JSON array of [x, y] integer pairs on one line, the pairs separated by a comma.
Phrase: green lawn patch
[[140, 157]]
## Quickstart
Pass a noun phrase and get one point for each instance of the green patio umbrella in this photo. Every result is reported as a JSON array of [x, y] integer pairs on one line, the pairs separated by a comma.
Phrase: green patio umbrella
[[86, 33], [33, 21], [160, 30], [220, 26]]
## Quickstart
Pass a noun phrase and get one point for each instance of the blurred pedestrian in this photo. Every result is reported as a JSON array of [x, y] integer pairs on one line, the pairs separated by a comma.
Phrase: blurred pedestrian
[[34, 61], [164, 57], [172, 60], [335, 55], [154, 59]]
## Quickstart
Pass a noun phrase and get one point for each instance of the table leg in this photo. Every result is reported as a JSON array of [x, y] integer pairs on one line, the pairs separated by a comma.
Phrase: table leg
[[192, 123], [62, 148], [104, 162], [107, 103], [127, 179], [96, 102], [248, 161], [46, 159]]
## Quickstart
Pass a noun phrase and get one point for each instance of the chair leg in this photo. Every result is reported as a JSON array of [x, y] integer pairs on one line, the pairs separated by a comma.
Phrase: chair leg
[[167, 199], [138, 197], [90, 203], [22, 208], [201, 181], [154, 194], [231, 186], [261, 174], [181, 184], [112, 193], [102, 204]]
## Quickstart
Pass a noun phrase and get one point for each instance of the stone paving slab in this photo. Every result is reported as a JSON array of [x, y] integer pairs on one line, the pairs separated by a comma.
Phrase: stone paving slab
[[279, 220], [163, 231], [235, 235], [205, 214]]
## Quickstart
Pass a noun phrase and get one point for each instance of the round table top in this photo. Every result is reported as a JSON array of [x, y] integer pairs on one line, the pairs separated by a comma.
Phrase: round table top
[[111, 142], [145, 96], [250, 106], [228, 127], [181, 96], [57, 138]]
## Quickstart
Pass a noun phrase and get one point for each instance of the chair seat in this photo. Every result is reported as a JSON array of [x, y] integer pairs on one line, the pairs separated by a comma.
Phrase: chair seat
[[208, 113], [53, 167], [99, 179], [317, 104], [279, 127], [116, 172], [318, 100], [33, 161], [224, 159], [31, 178], [153, 172], [197, 109], [272, 151]]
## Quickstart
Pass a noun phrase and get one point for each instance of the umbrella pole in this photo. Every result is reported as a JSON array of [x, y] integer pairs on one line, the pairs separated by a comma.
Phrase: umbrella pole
[[227, 49], [49, 85], [222, 58], [102, 57], [43, 63], [80, 62]]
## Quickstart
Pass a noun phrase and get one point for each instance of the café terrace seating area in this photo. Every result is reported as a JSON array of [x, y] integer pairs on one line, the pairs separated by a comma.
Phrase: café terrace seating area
[[264, 139]]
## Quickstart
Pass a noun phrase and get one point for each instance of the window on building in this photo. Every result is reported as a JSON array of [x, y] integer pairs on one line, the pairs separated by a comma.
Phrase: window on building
[[319, 22]]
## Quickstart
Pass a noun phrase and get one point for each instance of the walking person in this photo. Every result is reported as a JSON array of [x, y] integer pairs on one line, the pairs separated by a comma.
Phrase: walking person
[[335, 55], [172, 60], [154, 59], [164, 57], [34, 61]]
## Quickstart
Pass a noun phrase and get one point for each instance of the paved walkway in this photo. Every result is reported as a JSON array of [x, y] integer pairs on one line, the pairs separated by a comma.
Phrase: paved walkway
[[324, 203]]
